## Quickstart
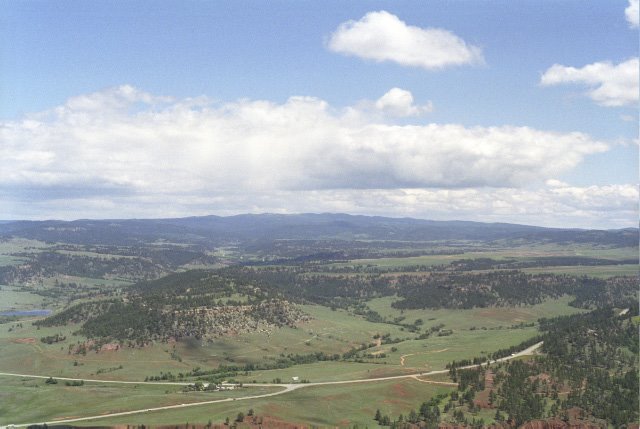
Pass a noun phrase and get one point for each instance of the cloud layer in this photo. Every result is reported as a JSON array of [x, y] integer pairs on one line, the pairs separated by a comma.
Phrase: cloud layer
[[382, 36], [557, 204], [123, 152], [611, 85]]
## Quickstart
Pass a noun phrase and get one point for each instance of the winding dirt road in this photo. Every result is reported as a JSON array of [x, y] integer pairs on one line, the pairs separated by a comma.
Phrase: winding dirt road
[[286, 388]]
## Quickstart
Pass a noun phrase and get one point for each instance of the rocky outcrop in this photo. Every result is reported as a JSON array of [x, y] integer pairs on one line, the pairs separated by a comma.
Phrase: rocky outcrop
[[214, 322]]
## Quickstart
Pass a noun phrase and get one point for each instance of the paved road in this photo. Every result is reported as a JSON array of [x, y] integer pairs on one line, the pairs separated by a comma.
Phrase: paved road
[[286, 388]]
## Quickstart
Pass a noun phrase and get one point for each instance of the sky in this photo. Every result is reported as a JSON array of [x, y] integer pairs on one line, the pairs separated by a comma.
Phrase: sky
[[492, 111]]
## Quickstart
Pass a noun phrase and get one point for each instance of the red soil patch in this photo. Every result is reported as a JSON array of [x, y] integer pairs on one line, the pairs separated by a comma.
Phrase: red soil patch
[[399, 390], [482, 399], [24, 340], [501, 314], [488, 379]]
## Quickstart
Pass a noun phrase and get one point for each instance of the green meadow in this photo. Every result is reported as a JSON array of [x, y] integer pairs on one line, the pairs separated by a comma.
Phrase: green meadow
[[324, 406], [33, 400]]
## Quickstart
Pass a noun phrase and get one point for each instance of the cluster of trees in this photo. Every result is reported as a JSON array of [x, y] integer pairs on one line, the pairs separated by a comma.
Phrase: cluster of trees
[[50, 264], [509, 288], [589, 363], [314, 251], [519, 394], [143, 321], [77, 313], [102, 261], [111, 369], [172, 306], [435, 289], [51, 339], [181, 305], [427, 415], [228, 372]]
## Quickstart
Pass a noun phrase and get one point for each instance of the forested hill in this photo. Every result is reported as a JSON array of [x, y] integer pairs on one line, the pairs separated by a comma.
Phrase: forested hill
[[215, 230]]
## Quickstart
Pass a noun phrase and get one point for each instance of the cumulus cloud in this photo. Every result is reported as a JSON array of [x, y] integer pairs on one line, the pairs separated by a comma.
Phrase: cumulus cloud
[[611, 85], [150, 156], [258, 145], [399, 102], [632, 13], [395, 103], [382, 36]]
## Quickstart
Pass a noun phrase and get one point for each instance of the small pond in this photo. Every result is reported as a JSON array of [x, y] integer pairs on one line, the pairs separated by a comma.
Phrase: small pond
[[37, 312]]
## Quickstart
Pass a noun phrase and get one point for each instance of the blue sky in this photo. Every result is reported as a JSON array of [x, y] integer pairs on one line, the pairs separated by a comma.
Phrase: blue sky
[[505, 111]]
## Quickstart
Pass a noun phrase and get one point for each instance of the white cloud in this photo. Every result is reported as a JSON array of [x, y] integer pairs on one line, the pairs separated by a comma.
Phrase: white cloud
[[382, 36], [395, 103], [399, 102], [612, 85], [153, 156], [632, 12], [259, 145]]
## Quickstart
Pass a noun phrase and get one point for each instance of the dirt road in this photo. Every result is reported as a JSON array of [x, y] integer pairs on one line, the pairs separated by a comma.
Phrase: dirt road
[[286, 388]]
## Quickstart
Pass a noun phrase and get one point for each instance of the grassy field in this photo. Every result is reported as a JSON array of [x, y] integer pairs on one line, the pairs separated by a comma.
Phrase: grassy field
[[411, 356], [474, 332], [324, 406], [518, 253], [16, 245], [32, 401], [491, 317], [329, 331], [7, 260], [435, 352], [21, 245], [12, 298]]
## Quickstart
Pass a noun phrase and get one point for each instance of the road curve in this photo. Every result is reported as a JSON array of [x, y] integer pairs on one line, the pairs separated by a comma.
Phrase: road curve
[[286, 388]]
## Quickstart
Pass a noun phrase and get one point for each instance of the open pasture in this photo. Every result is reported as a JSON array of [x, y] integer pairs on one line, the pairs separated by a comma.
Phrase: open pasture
[[323, 406], [12, 298], [435, 352], [490, 317], [330, 332], [516, 253], [409, 357], [33, 400]]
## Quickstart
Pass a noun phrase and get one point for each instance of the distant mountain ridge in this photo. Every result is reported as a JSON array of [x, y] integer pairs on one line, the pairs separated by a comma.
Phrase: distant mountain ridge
[[218, 230]]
